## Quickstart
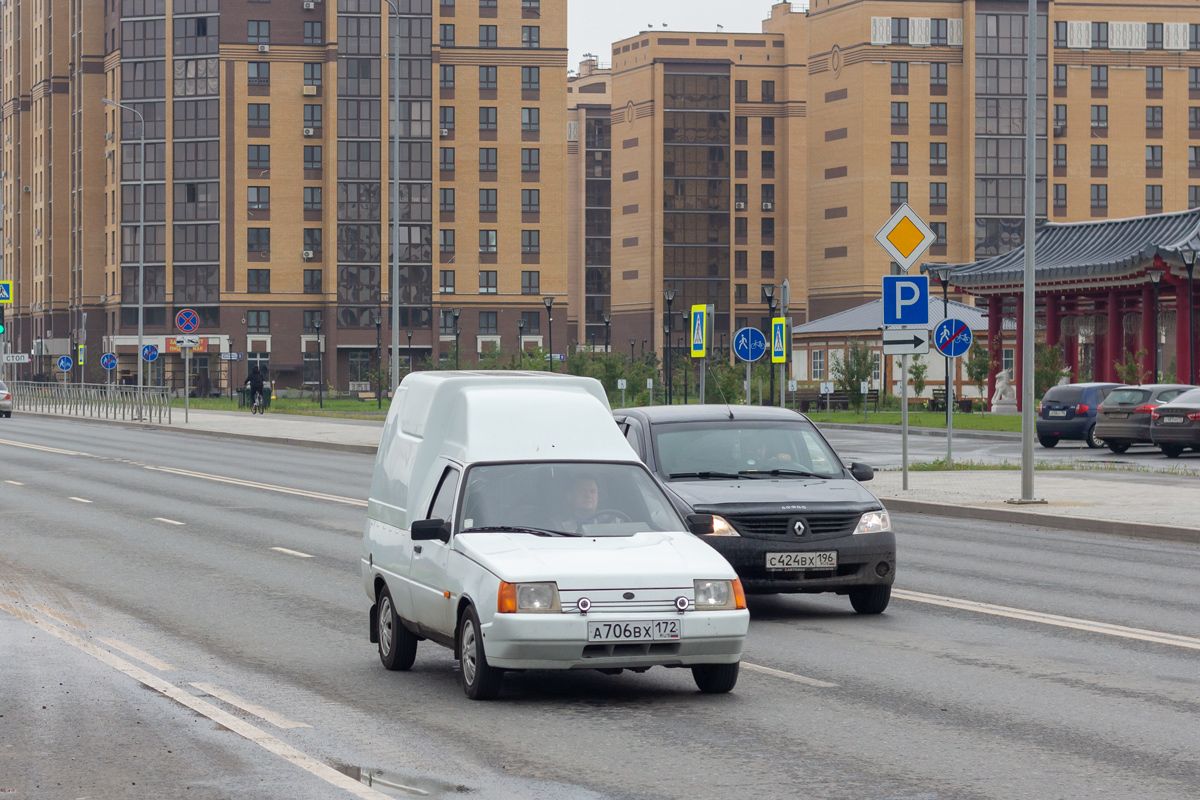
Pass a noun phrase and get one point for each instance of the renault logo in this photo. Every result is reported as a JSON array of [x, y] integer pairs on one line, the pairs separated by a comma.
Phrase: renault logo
[[798, 527]]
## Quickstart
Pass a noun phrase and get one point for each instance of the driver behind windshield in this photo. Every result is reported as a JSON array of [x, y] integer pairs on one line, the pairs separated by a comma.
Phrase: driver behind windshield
[[764, 452], [582, 500]]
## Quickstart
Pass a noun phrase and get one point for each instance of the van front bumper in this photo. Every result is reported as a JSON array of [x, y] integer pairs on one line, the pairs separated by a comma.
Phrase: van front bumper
[[559, 641]]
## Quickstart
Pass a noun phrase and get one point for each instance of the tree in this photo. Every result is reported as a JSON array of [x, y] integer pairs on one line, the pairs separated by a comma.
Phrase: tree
[[1130, 370], [1047, 368], [918, 372], [979, 364], [851, 369]]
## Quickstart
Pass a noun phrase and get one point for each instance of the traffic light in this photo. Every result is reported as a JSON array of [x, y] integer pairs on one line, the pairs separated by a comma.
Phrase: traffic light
[[1, 320]]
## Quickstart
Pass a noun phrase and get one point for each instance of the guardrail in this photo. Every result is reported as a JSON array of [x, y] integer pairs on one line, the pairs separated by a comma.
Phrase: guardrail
[[96, 400]]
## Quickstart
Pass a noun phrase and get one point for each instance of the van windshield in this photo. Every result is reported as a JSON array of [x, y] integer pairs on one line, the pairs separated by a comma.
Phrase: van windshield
[[743, 448], [566, 498]]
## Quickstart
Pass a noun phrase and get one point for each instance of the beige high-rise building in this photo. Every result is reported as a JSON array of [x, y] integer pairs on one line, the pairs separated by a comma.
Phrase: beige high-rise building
[[589, 194], [273, 225]]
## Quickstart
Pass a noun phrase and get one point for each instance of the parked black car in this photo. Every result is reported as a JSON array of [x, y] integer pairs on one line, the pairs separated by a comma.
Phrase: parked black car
[[1175, 426], [788, 514], [1124, 417], [1069, 412]]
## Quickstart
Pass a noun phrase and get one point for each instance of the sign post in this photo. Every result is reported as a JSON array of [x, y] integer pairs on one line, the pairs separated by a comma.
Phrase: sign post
[[952, 338], [749, 344], [650, 386], [621, 386], [188, 321], [779, 350]]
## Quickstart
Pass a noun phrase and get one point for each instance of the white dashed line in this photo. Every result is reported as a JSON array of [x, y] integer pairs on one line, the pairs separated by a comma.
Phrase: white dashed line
[[140, 655], [63, 618], [789, 676], [278, 720], [295, 553], [333, 498], [80, 500], [169, 521], [15, 483]]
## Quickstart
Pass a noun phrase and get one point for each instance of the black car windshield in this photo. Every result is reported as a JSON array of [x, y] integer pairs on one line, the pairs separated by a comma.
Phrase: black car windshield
[[1189, 398], [1066, 395], [1127, 396], [753, 448], [576, 498]]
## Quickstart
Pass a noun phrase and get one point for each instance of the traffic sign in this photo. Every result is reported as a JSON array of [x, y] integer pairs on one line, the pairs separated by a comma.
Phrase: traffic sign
[[82, 349], [621, 384], [952, 337], [187, 320], [699, 331], [65, 363], [6, 292], [905, 237], [187, 341], [108, 361], [231, 356], [826, 387], [16, 358], [906, 300], [749, 344], [905, 342], [149, 353], [649, 383], [792, 385], [778, 340]]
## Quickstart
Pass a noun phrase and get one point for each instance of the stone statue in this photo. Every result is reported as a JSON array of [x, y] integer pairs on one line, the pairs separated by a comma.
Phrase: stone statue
[[1004, 401]]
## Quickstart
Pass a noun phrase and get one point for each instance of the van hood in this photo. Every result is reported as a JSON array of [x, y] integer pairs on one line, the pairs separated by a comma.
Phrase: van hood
[[710, 494], [643, 560]]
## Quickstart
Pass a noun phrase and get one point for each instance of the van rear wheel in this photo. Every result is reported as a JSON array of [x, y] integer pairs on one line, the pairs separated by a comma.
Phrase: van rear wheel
[[397, 644]]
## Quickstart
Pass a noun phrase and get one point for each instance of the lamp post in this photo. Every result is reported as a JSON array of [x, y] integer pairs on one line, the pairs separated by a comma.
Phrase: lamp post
[[669, 296], [393, 177], [410, 353], [320, 366], [549, 301], [769, 292], [378, 359], [608, 331], [141, 284], [1155, 276], [457, 331], [521, 339], [632, 344], [1189, 263]]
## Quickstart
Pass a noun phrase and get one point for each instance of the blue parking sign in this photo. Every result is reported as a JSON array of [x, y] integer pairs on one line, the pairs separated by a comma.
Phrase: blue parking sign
[[906, 300]]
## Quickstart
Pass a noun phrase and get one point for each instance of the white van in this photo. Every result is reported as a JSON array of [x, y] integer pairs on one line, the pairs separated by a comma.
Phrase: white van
[[510, 521]]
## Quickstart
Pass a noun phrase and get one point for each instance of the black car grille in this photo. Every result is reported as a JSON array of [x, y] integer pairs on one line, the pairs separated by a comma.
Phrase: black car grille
[[828, 524]]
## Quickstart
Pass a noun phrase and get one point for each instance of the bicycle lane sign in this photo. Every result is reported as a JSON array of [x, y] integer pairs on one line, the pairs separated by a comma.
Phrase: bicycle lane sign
[[952, 337]]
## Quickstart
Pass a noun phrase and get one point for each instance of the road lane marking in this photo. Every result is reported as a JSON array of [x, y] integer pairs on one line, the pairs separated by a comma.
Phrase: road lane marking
[[13, 595], [80, 500], [45, 449], [296, 553], [63, 618], [278, 720], [333, 498], [1091, 626], [15, 483], [788, 676], [140, 655], [169, 521], [212, 712]]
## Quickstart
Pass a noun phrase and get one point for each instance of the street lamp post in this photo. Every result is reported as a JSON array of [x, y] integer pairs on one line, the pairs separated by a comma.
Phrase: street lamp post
[[394, 177], [410, 353], [1189, 263], [669, 296], [1155, 276], [607, 332], [378, 359], [320, 366], [769, 291], [141, 284], [457, 331], [549, 301], [521, 339], [632, 344]]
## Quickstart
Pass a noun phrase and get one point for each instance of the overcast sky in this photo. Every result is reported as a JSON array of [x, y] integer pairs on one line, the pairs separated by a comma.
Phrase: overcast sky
[[593, 25]]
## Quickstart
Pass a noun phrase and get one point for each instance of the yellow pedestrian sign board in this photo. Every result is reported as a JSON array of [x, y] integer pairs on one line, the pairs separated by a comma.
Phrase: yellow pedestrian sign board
[[779, 340], [6, 292], [905, 237], [699, 331]]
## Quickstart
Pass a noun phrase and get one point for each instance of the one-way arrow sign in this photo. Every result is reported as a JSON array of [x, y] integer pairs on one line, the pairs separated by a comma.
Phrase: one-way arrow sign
[[905, 342]]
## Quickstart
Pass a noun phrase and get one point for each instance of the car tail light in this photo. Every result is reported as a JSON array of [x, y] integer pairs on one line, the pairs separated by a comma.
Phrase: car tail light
[[1081, 409], [1145, 410], [1154, 414], [1194, 416], [1041, 407], [7, 396]]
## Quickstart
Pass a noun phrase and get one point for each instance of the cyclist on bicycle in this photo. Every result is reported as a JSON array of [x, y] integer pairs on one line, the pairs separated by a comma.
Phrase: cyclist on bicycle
[[255, 381]]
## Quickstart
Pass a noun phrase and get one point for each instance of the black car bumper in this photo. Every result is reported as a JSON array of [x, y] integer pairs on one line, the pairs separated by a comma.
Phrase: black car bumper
[[1063, 428], [864, 559], [1178, 435]]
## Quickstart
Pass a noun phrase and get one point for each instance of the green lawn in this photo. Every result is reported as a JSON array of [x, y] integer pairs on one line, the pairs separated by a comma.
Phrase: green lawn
[[342, 407], [926, 419]]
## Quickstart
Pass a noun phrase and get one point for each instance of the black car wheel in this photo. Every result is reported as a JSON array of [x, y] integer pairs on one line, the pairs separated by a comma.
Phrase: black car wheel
[[1048, 441], [716, 678], [1118, 447], [870, 599], [479, 680], [397, 644], [1171, 450], [1094, 441]]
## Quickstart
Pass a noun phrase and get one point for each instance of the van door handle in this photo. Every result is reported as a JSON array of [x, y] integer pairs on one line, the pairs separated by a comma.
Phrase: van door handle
[[416, 548]]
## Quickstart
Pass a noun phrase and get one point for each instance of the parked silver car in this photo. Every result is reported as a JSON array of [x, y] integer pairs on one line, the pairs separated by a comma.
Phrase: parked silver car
[[5, 401]]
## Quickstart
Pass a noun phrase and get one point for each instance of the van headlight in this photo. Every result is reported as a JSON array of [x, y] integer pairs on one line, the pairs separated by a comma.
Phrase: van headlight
[[528, 598], [721, 527], [874, 522], [719, 595]]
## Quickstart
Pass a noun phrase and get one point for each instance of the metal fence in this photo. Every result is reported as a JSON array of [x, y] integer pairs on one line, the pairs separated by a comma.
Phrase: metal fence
[[98, 400]]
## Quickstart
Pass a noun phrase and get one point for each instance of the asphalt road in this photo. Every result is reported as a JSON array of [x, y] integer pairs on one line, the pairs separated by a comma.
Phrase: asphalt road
[[144, 658]]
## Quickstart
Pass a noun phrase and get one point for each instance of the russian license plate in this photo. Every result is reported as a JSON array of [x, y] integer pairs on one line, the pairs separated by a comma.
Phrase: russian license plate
[[794, 561], [1117, 415], [1172, 420], [639, 631], [1058, 413]]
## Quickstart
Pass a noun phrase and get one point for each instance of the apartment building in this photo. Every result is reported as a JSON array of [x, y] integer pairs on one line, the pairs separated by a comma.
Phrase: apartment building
[[589, 194], [265, 220]]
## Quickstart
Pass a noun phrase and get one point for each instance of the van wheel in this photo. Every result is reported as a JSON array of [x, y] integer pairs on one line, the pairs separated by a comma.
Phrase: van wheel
[[1094, 441], [870, 599], [479, 681], [1118, 447], [397, 644], [1048, 441], [1171, 450], [716, 678]]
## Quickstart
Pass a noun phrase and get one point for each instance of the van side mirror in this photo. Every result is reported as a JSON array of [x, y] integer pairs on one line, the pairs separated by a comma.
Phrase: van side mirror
[[700, 524], [862, 472], [426, 530]]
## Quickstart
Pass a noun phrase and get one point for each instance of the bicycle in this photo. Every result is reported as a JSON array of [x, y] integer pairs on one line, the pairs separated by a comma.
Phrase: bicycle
[[257, 407]]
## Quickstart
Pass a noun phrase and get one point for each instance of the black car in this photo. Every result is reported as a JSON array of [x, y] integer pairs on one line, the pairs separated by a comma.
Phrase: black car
[[1124, 417], [1069, 412], [788, 514], [1175, 426]]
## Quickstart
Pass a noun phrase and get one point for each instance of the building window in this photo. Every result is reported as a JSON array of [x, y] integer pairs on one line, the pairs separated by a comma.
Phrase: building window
[[937, 113], [768, 161], [531, 79], [741, 91], [312, 115], [487, 35], [937, 194], [258, 322], [531, 36], [1193, 197], [740, 294], [258, 31], [533, 321], [531, 159], [899, 154], [531, 201], [1099, 77], [818, 359], [446, 322], [446, 159], [1060, 195], [312, 198], [1194, 37], [899, 193], [258, 240], [446, 76], [312, 281], [312, 74], [314, 32], [487, 241], [1060, 155], [938, 32], [1099, 35], [487, 323], [939, 232], [899, 30], [1154, 78], [258, 73], [1060, 34], [446, 281], [1154, 36], [1154, 118], [446, 240], [258, 281], [741, 161], [446, 118], [1154, 156], [487, 78], [487, 159], [899, 73], [1060, 118], [487, 201], [531, 242], [767, 228], [312, 239], [1099, 156], [531, 119], [258, 115], [899, 113], [1099, 116], [1099, 195], [768, 91], [937, 154], [446, 200], [531, 282], [1154, 197], [1007, 357], [312, 156], [1194, 157], [1060, 76], [1194, 118], [937, 73], [1194, 79], [446, 35], [487, 281], [487, 118], [258, 198]]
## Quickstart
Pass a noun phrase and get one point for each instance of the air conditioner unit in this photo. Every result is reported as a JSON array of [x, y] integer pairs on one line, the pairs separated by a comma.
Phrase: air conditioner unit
[[309, 5], [37, 231], [444, 132], [306, 254], [739, 206], [264, 48], [25, 189], [1100, 124], [310, 132], [108, 137], [598, 156], [310, 91], [768, 206], [4, 174], [108, 154]]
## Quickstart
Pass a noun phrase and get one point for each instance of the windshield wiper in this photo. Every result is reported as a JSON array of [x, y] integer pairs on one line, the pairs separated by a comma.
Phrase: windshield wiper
[[727, 475], [796, 472], [516, 529]]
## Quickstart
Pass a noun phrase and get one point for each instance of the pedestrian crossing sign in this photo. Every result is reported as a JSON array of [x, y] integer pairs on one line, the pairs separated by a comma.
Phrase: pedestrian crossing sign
[[778, 340], [699, 331], [6, 293]]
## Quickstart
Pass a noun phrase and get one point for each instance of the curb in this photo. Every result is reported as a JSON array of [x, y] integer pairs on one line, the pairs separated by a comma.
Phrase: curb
[[311, 444], [1112, 527], [996, 436]]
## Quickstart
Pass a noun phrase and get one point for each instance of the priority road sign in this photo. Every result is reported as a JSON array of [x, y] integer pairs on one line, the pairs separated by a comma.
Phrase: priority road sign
[[905, 342], [108, 361], [778, 340], [6, 292], [65, 363], [952, 337], [187, 320], [905, 237], [906, 300], [749, 344], [149, 353], [699, 331]]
